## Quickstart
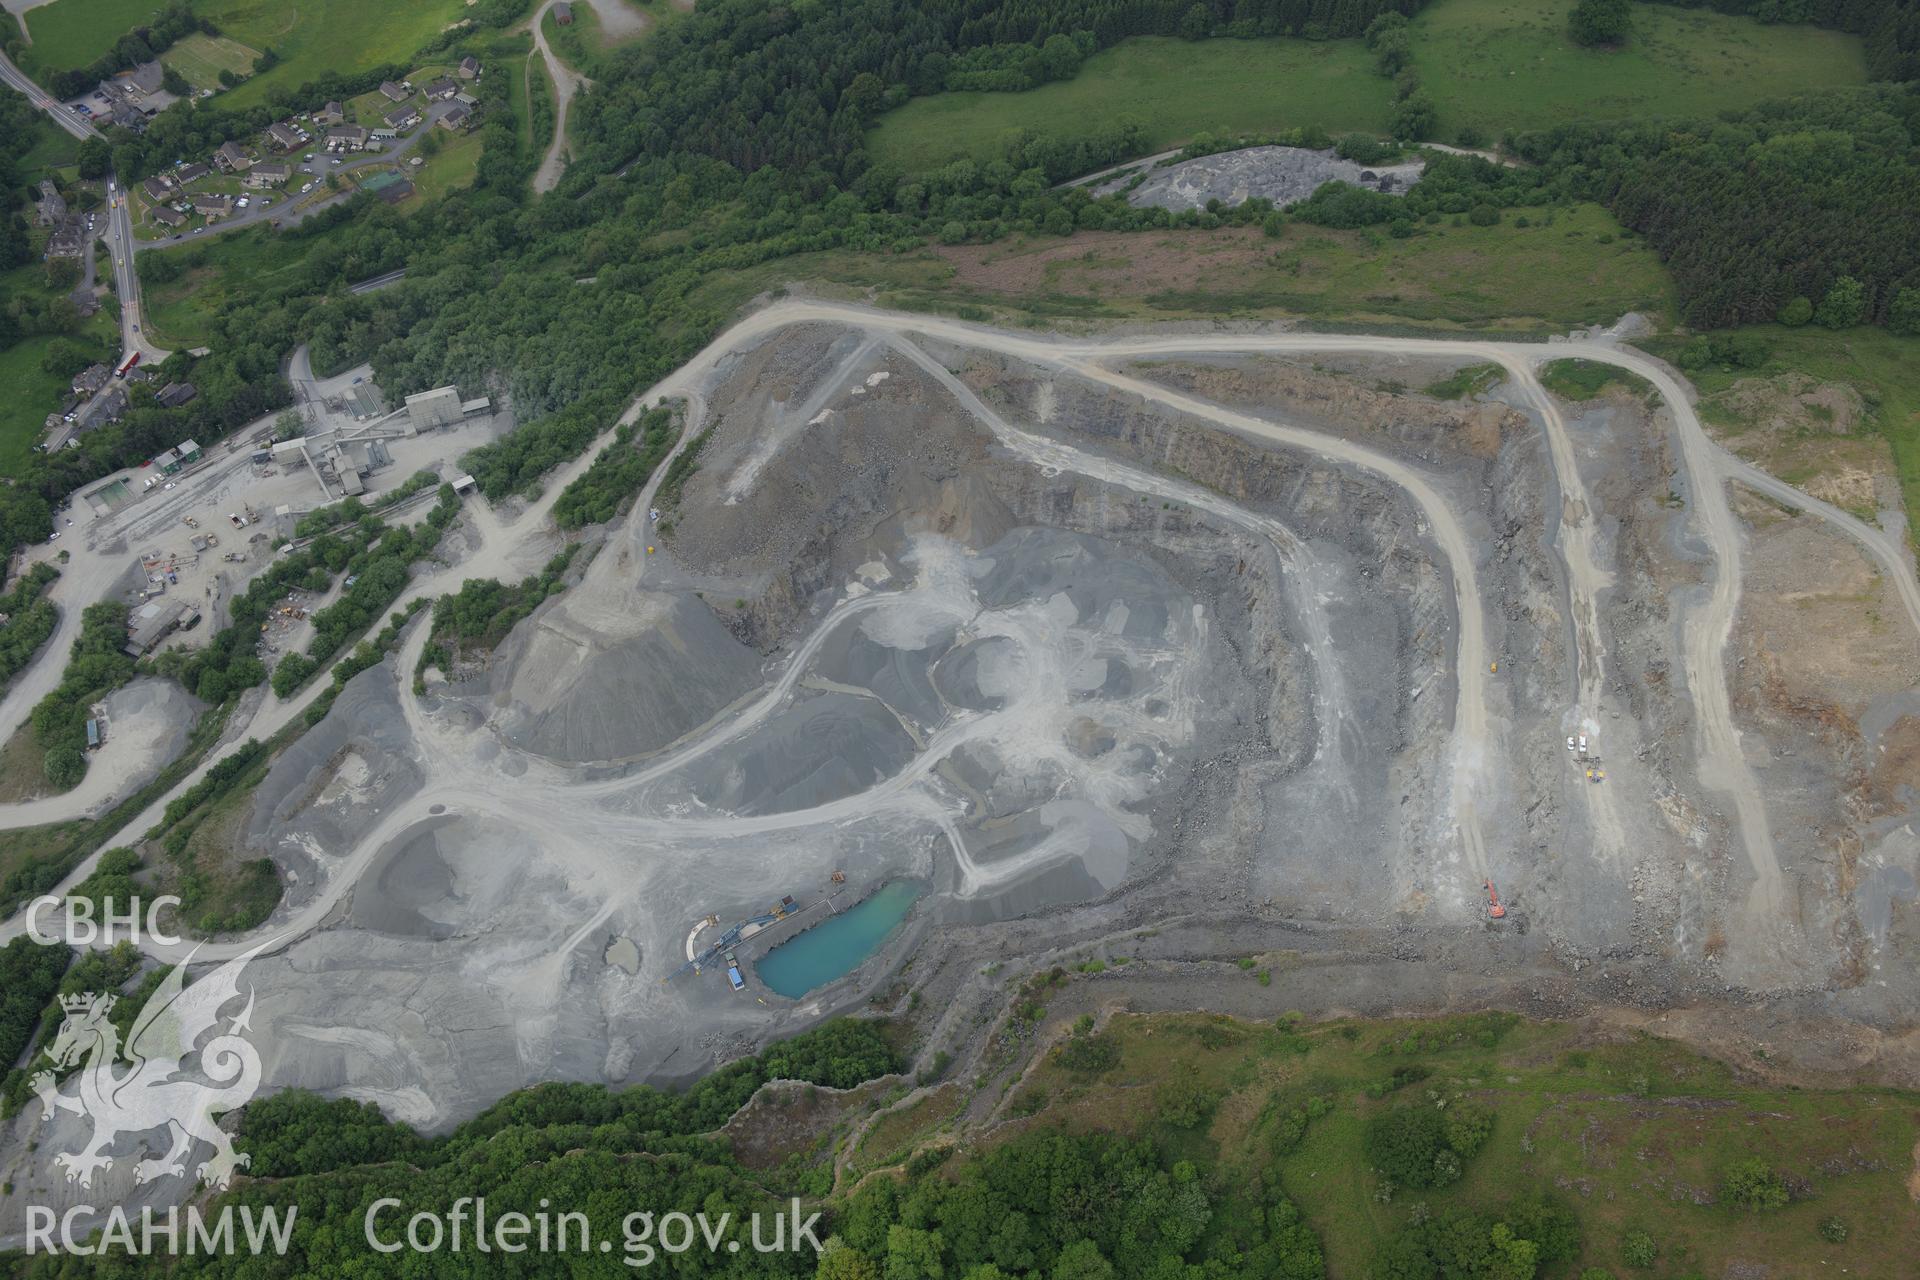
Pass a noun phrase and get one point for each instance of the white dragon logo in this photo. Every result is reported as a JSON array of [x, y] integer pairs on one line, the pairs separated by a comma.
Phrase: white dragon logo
[[156, 1092]]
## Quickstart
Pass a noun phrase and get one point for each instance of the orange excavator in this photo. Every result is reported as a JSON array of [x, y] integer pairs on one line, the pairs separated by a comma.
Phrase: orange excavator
[[1494, 910]]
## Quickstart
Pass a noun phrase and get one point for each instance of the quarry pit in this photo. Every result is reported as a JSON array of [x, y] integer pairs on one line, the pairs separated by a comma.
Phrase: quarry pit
[[1177, 646]]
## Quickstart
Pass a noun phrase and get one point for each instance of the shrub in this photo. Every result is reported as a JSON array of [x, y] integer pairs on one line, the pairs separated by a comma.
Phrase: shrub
[[1845, 304], [1185, 1104], [1467, 1126], [1402, 1144], [1833, 1230], [1415, 117], [1638, 1249], [1600, 22], [1903, 317], [1796, 313], [1483, 215], [1089, 1055], [1754, 1186]]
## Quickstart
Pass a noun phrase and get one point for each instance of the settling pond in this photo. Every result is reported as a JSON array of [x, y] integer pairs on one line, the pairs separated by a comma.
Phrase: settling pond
[[836, 946]]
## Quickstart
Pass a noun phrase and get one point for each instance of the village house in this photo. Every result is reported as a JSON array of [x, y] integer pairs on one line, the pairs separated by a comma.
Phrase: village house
[[192, 173], [330, 115], [147, 77], [91, 379], [70, 238], [233, 158], [286, 137], [403, 119], [469, 68], [441, 90], [270, 174], [168, 216], [394, 92], [456, 118], [109, 406], [350, 137], [158, 187], [50, 208], [175, 394], [212, 206]]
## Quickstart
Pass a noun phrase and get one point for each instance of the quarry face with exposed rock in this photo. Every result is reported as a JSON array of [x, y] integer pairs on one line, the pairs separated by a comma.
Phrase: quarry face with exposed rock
[[1196, 644], [1076, 656]]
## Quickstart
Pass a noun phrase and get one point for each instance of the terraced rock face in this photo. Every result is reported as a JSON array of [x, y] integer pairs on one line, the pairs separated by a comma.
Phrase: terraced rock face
[[1187, 646]]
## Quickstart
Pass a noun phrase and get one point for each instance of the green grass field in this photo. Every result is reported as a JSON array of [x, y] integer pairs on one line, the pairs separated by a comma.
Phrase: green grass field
[[311, 37], [453, 167], [1496, 65], [31, 395], [326, 35], [1175, 88], [1629, 1131], [73, 33], [1508, 64], [180, 312], [201, 58], [53, 148]]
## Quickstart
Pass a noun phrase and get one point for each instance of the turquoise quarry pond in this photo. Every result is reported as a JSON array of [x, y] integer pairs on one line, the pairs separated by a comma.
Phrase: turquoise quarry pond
[[836, 946]]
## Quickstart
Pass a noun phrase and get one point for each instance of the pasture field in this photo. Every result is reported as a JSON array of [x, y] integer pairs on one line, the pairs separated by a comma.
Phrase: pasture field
[[1175, 88], [310, 36], [1499, 65], [72, 33], [1493, 66], [453, 167], [317, 36], [32, 393]]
